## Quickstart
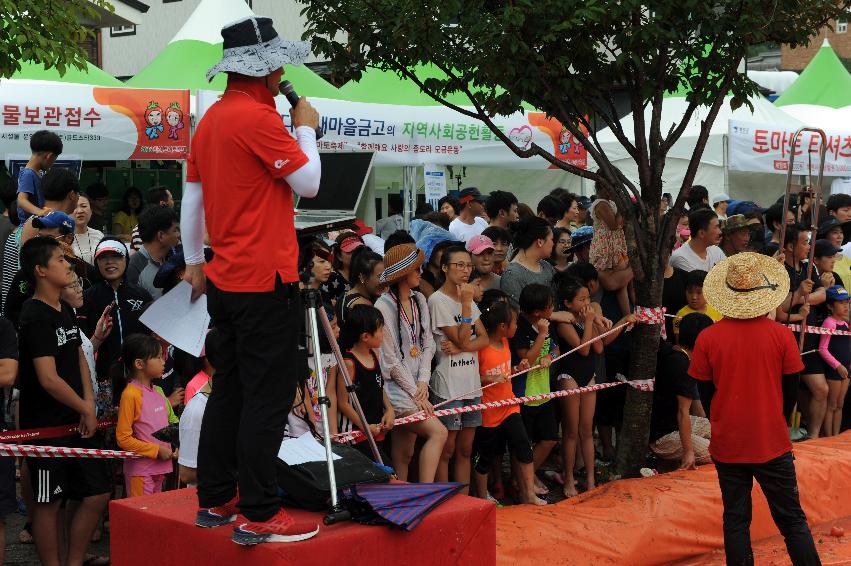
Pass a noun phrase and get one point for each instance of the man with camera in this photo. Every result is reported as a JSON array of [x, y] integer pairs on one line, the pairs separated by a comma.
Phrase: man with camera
[[241, 175]]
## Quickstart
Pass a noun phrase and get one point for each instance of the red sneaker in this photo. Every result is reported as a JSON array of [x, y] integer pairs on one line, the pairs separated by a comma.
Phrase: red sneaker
[[280, 528], [217, 516]]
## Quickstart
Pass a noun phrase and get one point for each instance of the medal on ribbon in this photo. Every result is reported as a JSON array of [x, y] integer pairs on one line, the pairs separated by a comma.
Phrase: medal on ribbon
[[412, 325]]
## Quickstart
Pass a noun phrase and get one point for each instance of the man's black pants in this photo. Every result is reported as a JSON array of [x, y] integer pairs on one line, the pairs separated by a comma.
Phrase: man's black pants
[[777, 480], [257, 364]]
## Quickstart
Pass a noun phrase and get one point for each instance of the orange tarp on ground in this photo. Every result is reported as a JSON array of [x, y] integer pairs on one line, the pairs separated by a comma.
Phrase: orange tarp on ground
[[833, 551], [666, 518]]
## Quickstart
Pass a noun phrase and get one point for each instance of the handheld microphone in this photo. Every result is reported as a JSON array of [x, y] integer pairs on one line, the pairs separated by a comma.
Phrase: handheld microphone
[[286, 88]]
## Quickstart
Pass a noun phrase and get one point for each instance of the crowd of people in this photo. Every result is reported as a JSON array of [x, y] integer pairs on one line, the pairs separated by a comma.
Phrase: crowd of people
[[476, 303]]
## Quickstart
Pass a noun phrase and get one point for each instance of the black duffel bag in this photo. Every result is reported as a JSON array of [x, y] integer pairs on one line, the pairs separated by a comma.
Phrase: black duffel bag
[[306, 485]]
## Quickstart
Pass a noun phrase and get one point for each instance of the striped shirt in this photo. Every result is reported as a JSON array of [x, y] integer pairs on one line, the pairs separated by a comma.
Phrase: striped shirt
[[11, 264]]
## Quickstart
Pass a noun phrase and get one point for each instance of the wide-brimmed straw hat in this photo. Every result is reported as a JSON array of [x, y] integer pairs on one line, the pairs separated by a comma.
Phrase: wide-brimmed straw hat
[[746, 285], [252, 47], [399, 261]]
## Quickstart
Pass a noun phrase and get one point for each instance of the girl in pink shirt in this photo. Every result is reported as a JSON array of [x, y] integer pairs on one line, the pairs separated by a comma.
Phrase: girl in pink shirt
[[142, 411], [836, 353]]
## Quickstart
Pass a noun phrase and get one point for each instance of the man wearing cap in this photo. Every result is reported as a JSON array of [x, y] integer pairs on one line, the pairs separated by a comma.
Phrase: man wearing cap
[[735, 235], [825, 255], [241, 176], [469, 222], [833, 231], [719, 205], [752, 362]]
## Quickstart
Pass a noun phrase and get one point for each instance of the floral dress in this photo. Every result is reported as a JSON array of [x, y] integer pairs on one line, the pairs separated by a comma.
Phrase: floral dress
[[608, 247]]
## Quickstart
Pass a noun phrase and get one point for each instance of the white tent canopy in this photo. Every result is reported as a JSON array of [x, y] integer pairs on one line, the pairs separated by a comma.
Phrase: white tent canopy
[[206, 22], [777, 81], [712, 172]]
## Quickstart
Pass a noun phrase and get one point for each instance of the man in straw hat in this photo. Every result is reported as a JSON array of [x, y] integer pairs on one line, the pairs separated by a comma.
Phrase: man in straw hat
[[752, 360], [241, 176]]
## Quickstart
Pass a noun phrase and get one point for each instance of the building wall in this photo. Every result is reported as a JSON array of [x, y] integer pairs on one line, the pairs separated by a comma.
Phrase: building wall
[[124, 56], [797, 59]]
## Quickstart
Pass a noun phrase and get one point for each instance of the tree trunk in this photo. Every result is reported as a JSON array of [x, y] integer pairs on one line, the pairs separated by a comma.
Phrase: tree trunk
[[632, 442]]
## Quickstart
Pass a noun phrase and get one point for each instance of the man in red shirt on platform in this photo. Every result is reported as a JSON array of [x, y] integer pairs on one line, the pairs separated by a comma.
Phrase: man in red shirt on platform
[[752, 361], [241, 175]]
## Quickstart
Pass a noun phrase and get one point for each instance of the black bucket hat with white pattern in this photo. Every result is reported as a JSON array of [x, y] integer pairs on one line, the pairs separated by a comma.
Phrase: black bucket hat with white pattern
[[252, 47]]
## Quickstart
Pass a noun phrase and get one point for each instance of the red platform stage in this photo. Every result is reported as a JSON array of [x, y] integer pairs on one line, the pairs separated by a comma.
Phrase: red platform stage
[[159, 529]]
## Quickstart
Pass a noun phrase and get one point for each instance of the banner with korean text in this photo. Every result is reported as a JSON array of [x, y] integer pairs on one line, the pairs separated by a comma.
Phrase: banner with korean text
[[420, 135], [764, 148], [96, 123]]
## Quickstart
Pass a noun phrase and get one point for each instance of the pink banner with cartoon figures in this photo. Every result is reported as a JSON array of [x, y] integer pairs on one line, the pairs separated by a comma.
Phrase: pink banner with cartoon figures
[[419, 135], [96, 123]]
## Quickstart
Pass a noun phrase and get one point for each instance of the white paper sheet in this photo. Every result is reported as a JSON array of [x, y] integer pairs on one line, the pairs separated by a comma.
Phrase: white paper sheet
[[178, 320], [305, 448]]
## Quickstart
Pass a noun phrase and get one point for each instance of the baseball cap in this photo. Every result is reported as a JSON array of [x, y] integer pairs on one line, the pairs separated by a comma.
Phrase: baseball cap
[[470, 194], [361, 229], [583, 203], [733, 223], [351, 243], [477, 245], [824, 248], [829, 225], [720, 197], [175, 260], [743, 207], [838, 293], [55, 219], [113, 246], [580, 237]]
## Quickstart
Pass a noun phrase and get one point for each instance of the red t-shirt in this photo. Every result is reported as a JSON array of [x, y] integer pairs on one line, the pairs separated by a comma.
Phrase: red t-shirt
[[746, 360], [493, 362], [241, 153]]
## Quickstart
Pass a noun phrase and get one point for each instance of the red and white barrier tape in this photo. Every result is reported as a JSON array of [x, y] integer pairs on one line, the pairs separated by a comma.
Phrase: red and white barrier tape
[[48, 432], [640, 384], [62, 452], [652, 315], [809, 330], [819, 330], [643, 385], [478, 391]]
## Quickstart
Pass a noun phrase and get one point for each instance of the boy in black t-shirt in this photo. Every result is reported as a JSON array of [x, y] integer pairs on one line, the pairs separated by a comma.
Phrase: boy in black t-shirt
[[56, 390]]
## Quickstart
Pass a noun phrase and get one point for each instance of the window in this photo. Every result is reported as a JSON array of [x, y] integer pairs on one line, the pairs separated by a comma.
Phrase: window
[[842, 24], [118, 31]]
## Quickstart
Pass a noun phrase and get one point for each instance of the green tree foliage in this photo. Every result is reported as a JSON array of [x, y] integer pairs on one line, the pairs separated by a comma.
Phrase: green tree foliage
[[45, 31], [567, 58]]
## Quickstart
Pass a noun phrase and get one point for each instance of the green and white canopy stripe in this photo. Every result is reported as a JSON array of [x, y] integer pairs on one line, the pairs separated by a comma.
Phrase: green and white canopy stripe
[[197, 46], [821, 96]]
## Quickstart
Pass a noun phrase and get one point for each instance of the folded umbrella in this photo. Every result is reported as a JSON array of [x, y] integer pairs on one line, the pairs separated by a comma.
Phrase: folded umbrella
[[402, 504]]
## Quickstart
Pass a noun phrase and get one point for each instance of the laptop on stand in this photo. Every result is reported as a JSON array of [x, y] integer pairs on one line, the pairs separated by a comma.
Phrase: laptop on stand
[[344, 177]]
